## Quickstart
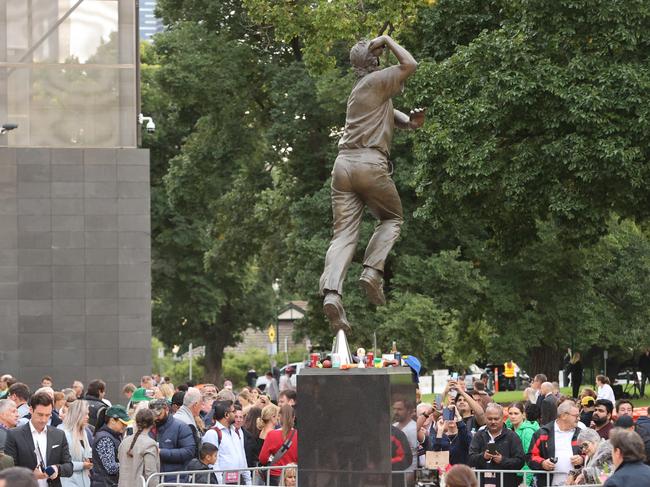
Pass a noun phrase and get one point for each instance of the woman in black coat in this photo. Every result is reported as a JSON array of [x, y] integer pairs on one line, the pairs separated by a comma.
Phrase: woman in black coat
[[575, 369]]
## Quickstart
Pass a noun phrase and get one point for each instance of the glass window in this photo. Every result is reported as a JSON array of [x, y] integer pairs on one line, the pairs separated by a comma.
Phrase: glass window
[[68, 72]]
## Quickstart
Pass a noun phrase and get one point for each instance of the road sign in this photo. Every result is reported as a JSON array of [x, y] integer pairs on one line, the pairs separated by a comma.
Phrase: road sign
[[271, 333]]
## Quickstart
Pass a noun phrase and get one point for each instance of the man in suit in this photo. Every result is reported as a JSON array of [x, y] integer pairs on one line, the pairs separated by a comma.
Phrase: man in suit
[[548, 409], [37, 446]]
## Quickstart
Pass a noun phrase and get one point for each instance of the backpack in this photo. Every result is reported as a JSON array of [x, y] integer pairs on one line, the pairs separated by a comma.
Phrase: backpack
[[219, 434]]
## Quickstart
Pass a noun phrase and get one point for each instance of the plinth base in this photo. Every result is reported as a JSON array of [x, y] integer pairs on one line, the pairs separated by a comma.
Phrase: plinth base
[[345, 419]]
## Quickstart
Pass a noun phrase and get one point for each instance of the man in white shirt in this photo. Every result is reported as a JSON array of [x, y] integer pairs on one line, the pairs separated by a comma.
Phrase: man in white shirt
[[230, 444], [554, 447], [39, 447]]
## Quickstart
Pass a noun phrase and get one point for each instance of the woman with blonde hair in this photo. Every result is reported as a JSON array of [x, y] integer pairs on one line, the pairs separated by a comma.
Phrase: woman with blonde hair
[[138, 454], [167, 390], [74, 426], [245, 398], [265, 422], [281, 446], [289, 475]]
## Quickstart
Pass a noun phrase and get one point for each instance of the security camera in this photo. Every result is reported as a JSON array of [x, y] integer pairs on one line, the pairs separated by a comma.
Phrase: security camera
[[151, 126], [7, 127]]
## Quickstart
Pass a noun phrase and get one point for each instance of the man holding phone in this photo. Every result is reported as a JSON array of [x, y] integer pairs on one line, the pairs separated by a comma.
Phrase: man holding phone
[[554, 447], [39, 447], [496, 448]]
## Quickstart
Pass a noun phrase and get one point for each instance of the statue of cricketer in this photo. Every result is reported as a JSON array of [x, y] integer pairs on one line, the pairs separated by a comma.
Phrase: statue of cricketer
[[362, 174]]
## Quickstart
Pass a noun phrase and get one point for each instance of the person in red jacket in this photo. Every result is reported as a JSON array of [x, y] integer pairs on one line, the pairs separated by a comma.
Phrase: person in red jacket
[[281, 446]]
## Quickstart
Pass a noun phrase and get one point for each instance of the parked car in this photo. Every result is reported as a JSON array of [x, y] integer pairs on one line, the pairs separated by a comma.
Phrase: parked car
[[297, 367]]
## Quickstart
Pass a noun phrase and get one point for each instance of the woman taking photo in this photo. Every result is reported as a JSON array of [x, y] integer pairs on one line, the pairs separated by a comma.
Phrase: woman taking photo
[[111, 424], [280, 446], [74, 426], [598, 459], [138, 454]]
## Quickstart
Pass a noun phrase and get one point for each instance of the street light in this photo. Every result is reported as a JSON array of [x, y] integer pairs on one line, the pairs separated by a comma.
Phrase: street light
[[276, 289]]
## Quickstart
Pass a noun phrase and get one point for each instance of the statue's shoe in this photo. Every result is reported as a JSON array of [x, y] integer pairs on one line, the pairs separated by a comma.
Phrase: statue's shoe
[[372, 282], [333, 309]]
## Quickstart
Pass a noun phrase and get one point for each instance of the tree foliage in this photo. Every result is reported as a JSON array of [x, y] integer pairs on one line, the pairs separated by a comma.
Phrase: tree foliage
[[524, 194]]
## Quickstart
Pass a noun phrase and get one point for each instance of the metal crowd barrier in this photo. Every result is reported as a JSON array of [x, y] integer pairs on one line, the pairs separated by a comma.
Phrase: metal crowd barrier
[[500, 474], [187, 477]]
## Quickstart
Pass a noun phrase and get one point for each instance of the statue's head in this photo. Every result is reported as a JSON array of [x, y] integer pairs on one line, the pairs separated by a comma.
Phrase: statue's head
[[362, 59]]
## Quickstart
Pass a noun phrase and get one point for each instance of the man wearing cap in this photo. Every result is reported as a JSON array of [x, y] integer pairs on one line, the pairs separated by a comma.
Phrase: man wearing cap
[[588, 403], [362, 174], [174, 438]]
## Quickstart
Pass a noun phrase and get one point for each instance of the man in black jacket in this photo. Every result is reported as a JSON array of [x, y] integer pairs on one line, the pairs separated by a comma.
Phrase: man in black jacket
[[548, 407], [95, 399], [554, 447], [496, 448], [39, 447]]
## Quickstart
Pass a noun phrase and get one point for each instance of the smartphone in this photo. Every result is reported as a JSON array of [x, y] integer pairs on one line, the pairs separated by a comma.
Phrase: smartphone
[[438, 401], [492, 448], [454, 376], [553, 460], [49, 471], [448, 414]]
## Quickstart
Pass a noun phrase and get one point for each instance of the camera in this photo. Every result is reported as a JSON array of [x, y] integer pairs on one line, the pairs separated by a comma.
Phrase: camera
[[427, 478], [4, 128], [151, 126]]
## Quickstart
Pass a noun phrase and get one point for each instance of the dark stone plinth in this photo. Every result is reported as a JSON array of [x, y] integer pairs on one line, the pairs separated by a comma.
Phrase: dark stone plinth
[[344, 419]]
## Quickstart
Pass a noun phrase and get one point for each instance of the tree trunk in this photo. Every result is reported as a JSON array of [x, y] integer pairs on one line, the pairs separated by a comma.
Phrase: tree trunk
[[547, 361], [214, 352]]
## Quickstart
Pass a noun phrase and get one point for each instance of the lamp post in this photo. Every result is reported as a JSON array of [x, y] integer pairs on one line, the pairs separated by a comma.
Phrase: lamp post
[[276, 290]]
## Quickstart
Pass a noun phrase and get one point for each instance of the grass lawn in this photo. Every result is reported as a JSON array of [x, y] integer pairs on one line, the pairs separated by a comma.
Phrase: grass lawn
[[514, 396]]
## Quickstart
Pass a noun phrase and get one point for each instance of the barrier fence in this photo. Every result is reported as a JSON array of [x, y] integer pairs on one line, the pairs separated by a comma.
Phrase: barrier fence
[[490, 477], [183, 478]]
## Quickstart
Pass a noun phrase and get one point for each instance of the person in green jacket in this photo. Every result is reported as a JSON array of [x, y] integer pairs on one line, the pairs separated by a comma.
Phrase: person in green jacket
[[525, 429]]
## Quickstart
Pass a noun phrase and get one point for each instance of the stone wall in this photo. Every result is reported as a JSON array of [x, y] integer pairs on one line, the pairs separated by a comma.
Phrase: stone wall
[[75, 259]]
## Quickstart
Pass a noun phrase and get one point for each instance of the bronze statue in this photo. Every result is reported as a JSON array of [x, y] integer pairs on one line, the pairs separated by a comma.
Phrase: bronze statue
[[362, 174]]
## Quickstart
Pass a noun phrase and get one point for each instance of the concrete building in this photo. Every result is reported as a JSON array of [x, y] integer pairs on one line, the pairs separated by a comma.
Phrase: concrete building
[[149, 23], [75, 286]]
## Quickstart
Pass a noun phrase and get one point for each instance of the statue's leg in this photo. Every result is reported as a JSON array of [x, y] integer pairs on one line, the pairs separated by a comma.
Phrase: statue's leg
[[385, 205], [347, 209]]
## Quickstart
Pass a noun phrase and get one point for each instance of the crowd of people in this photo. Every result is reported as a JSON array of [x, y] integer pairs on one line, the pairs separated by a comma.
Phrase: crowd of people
[[579, 440], [75, 437]]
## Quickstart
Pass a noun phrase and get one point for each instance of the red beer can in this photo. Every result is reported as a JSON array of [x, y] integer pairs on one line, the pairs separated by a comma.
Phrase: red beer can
[[314, 358], [370, 358]]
